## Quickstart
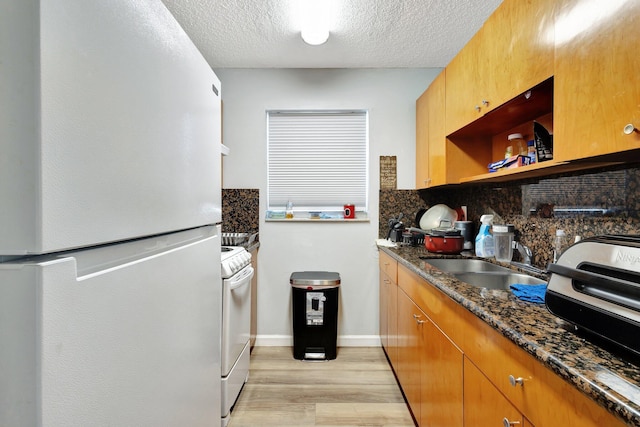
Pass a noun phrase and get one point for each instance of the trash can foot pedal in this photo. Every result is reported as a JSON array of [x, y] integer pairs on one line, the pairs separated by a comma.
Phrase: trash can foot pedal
[[315, 356]]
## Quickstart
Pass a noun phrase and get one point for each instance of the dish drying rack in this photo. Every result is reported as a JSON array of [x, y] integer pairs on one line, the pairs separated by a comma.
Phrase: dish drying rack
[[238, 239]]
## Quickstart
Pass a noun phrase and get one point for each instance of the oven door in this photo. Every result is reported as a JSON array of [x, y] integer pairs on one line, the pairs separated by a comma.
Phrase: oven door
[[236, 316]]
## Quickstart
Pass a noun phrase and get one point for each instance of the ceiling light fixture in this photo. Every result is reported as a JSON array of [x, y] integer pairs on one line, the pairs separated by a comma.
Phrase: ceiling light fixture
[[314, 17]]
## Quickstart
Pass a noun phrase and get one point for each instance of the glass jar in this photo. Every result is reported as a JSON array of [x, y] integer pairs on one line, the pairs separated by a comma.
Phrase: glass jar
[[519, 144]]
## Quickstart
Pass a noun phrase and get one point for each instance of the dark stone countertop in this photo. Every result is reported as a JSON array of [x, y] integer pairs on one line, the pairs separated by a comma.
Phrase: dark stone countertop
[[610, 378]]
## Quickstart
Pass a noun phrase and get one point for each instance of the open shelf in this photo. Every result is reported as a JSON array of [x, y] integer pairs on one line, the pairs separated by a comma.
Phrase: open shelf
[[526, 107]]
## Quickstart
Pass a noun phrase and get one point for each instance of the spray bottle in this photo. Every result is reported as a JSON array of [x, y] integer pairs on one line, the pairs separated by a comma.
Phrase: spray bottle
[[484, 239]]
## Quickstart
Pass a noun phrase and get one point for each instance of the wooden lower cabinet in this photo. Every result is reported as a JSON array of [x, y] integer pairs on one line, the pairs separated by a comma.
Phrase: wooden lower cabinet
[[484, 405], [392, 324], [440, 379], [454, 368], [410, 322], [385, 282], [389, 307]]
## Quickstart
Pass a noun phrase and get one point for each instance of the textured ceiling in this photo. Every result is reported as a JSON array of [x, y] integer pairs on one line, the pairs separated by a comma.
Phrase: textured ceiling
[[364, 33]]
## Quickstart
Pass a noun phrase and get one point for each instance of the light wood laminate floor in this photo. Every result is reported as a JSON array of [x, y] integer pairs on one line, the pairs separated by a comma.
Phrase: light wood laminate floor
[[356, 389]]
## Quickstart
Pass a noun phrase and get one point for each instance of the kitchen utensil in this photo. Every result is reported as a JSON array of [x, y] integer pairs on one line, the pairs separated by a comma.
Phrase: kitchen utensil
[[444, 239], [417, 236], [396, 227], [435, 214]]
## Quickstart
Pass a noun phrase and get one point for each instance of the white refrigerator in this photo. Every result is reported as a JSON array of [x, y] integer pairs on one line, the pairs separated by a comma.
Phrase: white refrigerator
[[110, 288]]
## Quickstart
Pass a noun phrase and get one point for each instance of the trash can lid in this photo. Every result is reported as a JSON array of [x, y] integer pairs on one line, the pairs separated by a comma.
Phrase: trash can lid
[[315, 278]]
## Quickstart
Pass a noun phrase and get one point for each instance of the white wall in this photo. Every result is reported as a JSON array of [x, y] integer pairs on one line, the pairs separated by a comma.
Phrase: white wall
[[347, 248]]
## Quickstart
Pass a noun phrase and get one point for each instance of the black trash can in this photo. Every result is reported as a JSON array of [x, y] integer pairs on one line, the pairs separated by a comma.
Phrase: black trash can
[[315, 314]]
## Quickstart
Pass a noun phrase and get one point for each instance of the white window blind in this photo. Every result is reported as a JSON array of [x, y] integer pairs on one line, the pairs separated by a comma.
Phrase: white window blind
[[317, 159]]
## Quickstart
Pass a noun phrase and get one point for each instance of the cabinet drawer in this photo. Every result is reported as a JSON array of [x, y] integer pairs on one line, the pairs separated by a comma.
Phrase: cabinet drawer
[[389, 266], [550, 400], [508, 367], [539, 393], [441, 309]]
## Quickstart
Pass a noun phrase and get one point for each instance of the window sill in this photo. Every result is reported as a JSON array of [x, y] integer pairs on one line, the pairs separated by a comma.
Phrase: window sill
[[323, 217]]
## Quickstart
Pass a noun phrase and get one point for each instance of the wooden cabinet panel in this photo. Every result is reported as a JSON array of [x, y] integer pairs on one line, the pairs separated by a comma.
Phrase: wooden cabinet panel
[[389, 266], [549, 401], [511, 53], [441, 309], [440, 379], [483, 403], [422, 141], [597, 90], [517, 49], [455, 369], [499, 359], [392, 325], [389, 306], [410, 321], [463, 86], [430, 135], [385, 283]]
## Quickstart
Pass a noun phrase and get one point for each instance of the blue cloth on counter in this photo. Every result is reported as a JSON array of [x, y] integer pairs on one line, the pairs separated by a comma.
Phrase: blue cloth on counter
[[530, 293]]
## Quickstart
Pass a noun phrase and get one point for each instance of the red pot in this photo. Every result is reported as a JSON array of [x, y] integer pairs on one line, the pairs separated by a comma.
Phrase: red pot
[[444, 241]]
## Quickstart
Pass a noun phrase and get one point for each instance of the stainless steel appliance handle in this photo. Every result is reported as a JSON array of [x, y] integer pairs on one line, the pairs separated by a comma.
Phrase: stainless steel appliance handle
[[618, 291]]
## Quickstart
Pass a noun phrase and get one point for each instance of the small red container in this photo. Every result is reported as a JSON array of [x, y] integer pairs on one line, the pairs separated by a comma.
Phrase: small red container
[[349, 211]]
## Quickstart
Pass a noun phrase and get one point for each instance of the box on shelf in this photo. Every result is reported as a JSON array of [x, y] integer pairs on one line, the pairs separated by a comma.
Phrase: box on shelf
[[510, 163]]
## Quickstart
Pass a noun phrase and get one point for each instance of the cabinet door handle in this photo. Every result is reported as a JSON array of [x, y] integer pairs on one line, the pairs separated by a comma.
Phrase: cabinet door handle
[[629, 129], [477, 107], [416, 317], [507, 423], [515, 381], [485, 102]]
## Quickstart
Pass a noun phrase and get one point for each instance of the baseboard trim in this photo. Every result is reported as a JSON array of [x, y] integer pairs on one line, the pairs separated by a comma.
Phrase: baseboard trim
[[343, 341]]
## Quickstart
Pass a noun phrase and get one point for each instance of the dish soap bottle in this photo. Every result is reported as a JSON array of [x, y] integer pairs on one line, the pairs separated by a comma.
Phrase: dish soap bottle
[[484, 239]]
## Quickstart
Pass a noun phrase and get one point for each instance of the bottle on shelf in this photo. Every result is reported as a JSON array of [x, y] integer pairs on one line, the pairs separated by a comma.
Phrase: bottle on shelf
[[559, 244], [288, 214], [517, 141], [531, 151]]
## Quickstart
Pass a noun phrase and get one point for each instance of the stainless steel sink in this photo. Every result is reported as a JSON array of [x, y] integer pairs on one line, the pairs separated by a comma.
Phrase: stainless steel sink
[[495, 280], [461, 265], [482, 274]]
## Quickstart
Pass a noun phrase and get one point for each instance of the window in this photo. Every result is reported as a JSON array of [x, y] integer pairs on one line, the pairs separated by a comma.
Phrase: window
[[318, 160]]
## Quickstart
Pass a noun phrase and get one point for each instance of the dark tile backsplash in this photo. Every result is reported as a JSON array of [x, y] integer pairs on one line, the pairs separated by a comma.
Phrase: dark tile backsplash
[[240, 210], [583, 204]]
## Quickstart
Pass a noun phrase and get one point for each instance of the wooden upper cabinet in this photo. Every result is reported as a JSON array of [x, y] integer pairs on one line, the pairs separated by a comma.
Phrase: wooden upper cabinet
[[430, 135], [463, 86], [511, 53], [422, 141], [597, 78]]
